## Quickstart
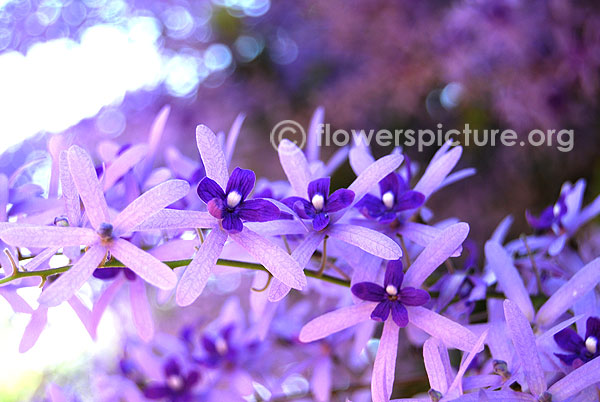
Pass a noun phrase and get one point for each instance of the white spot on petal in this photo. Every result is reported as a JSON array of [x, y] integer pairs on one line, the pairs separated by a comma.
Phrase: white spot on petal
[[318, 201], [391, 290], [591, 344], [388, 199], [233, 199]]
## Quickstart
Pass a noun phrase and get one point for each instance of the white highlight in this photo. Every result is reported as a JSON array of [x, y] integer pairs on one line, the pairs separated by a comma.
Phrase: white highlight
[[233, 199], [60, 82], [318, 202], [388, 199], [391, 290], [591, 344], [175, 382]]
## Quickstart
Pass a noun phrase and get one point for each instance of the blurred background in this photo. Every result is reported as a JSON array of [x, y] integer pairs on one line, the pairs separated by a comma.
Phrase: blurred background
[[102, 69]]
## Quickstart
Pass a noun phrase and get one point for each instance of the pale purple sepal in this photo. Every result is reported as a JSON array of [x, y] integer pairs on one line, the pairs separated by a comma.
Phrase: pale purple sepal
[[70, 282], [295, 166], [336, 321], [48, 236], [501, 230], [576, 381], [140, 309], [437, 171], [508, 277], [373, 174], [123, 164], [149, 203], [436, 252], [314, 134], [177, 219], [156, 132], [451, 333], [232, 137], [212, 155], [321, 380], [69, 191], [36, 325], [368, 240], [581, 283], [382, 379], [360, 157], [456, 385], [103, 302], [89, 189], [279, 263], [523, 339], [148, 267], [83, 313], [437, 365], [196, 274], [301, 254], [457, 176]]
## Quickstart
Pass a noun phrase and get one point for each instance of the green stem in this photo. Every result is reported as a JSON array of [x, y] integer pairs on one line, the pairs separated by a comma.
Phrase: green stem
[[44, 273]]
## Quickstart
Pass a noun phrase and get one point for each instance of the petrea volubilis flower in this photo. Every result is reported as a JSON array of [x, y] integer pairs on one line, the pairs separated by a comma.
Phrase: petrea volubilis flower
[[320, 204], [227, 208], [395, 197], [391, 296], [232, 206], [105, 235], [177, 385], [581, 350]]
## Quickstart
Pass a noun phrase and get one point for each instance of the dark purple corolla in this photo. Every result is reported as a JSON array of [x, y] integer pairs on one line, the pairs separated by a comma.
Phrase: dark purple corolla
[[220, 349], [109, 273], [550, 216], [320, 204], [581, 350], [177, 386], [391, 297], [395, 197], [231, 205]]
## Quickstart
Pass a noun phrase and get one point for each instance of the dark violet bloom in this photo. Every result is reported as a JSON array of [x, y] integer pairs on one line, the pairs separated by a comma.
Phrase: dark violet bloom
[[109, 273], [231, 205], [395, 197], [320, 204], [581, 350], [177, 386], [550, 217], [391, 296], [220, 349]]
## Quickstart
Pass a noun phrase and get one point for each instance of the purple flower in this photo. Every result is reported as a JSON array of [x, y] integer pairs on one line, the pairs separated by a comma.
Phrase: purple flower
[[391, 296], [231, 205], [550, 217], [581, 350], [177, 386], [395, 197], [320, 204]]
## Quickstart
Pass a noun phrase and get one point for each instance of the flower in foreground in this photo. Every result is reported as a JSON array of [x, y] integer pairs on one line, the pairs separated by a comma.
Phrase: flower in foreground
[[227, 210], [105, 235], [320, 204], [391, 296], [231, 206], [395, 197]]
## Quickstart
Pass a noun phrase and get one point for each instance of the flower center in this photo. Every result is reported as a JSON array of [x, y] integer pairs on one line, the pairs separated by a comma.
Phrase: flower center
[[391, 290], [591, 344], [175, 382], [233, 199], [318, 201], [221, 345], [388, 199], [105, 231]]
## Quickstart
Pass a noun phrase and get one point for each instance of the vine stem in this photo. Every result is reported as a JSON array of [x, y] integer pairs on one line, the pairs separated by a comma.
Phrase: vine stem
[[113, 263]]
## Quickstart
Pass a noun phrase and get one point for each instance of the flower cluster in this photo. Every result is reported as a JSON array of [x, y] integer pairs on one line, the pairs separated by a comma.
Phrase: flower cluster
[[373, 273]]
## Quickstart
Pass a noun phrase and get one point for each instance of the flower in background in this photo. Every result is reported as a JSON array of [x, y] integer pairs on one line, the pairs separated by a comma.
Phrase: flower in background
[[581, 350], [176, 386]]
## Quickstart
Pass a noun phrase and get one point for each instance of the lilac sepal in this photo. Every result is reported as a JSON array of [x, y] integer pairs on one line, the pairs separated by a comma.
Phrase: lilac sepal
[[581, 283], [576, 381], [437, 171], [368, 240], [382, 379], [436, 252], [451, 333], [295, 166], [437, 365], [508, 277], [373, 174], [212, 155], [335, 321], [525, 345]]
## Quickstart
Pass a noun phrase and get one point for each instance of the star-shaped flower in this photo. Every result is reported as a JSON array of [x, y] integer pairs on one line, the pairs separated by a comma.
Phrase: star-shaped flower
[[106, 234]]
